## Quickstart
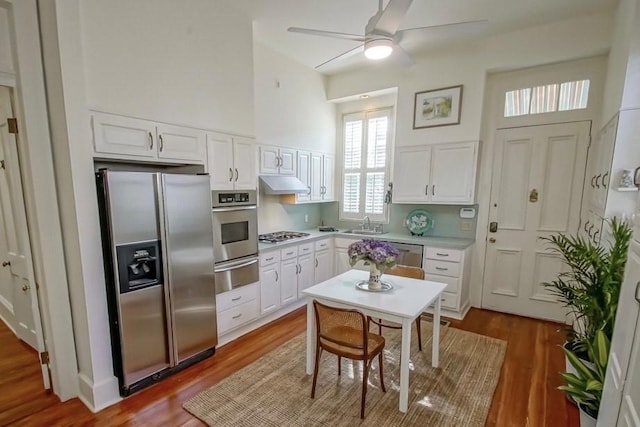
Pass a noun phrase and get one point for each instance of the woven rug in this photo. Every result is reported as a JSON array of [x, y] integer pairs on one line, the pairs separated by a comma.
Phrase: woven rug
[[275, 391]]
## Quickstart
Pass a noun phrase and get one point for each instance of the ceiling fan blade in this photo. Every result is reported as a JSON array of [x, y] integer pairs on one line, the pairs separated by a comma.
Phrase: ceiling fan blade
[[388, 21], [343, 55], [469, 25], [346, 36], [401, 56]]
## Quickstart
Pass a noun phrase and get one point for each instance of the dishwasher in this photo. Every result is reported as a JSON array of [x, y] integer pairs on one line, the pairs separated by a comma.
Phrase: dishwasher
[[410, 255]]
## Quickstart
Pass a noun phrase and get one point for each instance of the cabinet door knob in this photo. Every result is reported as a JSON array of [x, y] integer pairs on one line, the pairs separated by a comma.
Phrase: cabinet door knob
[[603, 178], [161, 142], [236, 174], [276, 276], [426, 190], [25, 287], [597, 178], [230, 174], [150, 141], [316, 262]]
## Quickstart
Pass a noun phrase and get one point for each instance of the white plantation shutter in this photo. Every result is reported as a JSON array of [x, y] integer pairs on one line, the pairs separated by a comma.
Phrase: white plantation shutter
[[366, 151]]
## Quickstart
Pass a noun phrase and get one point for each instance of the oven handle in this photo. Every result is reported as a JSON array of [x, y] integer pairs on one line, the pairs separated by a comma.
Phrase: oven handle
[[236, 265], [234, 208]]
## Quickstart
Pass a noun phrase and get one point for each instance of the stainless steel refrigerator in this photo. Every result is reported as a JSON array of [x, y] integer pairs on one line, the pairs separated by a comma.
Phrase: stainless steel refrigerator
[[157, 238]]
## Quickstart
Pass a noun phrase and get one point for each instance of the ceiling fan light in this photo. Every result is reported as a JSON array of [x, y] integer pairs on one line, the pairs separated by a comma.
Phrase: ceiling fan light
[[378, 49]]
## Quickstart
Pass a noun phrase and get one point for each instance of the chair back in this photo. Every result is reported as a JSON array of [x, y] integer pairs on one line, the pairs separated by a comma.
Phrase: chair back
[[341, 326], [406, 271]]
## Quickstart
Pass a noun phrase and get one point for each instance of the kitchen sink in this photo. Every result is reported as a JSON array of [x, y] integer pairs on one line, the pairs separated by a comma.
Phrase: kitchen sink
[[365, 232]]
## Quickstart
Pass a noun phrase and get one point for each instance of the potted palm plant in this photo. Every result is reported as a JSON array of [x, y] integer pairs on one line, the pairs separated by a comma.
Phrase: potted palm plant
[[585, 386], [590, 287]]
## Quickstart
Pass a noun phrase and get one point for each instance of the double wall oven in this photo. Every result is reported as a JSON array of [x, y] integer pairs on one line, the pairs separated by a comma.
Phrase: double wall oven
[[235, 234]]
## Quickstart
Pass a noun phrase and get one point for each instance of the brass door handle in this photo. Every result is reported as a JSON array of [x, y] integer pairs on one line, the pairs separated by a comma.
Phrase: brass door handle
[[492, 240], [25, 287], [6, 263]]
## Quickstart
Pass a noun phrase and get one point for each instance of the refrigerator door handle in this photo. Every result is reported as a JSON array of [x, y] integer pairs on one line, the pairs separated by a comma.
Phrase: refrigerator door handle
[[236, 265]]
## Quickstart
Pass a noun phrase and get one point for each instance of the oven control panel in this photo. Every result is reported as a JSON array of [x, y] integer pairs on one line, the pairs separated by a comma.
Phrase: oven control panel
[[226, 198]]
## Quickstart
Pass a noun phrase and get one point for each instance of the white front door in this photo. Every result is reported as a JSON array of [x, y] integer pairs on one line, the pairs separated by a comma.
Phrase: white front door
[[20, 295], [536, 192]]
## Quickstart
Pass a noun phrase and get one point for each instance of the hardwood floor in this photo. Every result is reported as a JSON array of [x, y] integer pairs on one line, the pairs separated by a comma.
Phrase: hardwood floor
[[526, 393]]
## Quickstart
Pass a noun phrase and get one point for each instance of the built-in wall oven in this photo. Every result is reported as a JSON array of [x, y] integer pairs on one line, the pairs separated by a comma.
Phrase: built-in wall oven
[[235, 236]]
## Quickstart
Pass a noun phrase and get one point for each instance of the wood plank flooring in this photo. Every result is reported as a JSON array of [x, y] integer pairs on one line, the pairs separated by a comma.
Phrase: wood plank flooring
[[526, 393]]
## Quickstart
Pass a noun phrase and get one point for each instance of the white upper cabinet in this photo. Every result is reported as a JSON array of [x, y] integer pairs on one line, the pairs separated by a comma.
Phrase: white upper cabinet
[[126, 138], [316, 177], [231, 162], [180, 143], [411, 174], [328, 178], [453, 172], [277, 160], [304, 175], [439, 174]]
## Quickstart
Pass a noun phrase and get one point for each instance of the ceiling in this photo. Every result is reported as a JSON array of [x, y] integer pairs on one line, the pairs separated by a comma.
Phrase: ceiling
[[272, 18]]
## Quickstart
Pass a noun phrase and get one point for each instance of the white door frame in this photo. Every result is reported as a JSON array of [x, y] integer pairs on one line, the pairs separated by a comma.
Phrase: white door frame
[[41, 199], [593, 68]]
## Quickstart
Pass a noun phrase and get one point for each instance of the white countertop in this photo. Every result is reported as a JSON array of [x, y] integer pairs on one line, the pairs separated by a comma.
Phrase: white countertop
[[432, 241]]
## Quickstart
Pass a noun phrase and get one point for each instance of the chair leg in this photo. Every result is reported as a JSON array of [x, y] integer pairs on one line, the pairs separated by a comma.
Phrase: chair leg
[[419, 333], [365, 380], [380, 357], [379, 326], [339, 365], [315, 371]]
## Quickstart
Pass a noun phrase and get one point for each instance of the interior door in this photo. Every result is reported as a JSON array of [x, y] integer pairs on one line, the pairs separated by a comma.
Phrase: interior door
[[536, 192], [16, 252]]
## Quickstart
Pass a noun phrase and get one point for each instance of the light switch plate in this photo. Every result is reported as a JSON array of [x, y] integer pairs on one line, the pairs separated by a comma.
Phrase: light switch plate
[[467, 213]]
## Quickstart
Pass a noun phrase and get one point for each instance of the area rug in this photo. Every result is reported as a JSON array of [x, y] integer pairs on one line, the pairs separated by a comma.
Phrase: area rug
[[275, 391]]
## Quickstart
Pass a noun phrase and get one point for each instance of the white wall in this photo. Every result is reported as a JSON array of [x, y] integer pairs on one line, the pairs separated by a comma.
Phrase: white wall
[[292, 111], [163, 60], [290, 104], [468, 65], [623, 29]]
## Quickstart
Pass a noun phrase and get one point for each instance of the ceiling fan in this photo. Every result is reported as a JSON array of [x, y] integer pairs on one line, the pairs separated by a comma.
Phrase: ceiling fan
[[381, 35]]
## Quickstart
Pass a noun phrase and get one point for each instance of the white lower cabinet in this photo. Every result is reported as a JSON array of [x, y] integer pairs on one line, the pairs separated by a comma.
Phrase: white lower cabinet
[[323, 260], [237, 307], [289, 284], [269, 282], [306, 275], [450, 266]]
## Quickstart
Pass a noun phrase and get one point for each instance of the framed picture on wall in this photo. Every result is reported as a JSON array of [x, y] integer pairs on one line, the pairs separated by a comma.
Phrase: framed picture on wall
[[437, 107]]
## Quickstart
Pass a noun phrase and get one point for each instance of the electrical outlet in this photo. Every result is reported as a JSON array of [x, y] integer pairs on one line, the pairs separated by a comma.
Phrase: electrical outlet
[[306, 218], [466, 225]]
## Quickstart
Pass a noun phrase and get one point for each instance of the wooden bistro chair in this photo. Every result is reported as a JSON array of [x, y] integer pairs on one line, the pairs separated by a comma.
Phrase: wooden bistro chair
[[344, 333], [404, 271]]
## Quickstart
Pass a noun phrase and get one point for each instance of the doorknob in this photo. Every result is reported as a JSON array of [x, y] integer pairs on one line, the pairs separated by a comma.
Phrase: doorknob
[[492, 240], [6, 263], [25, 287], [533, 196]]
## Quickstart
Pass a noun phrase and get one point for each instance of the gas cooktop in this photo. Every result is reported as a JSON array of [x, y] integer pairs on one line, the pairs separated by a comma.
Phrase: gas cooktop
[[281, 236]]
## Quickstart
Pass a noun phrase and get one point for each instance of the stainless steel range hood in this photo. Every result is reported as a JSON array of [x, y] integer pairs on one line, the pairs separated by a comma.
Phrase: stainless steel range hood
[[278, 184]]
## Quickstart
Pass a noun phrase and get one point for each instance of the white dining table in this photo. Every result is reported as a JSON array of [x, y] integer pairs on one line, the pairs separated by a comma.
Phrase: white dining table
[[403, 304]]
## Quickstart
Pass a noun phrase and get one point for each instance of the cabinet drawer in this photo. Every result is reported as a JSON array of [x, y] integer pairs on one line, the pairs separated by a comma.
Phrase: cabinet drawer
[[323, 244], [227, 300], [343, 243], [288, 253], [453, 255], [444, 268], [305, 249], [237, 316], [269, 258], [449, 300], [452, 282]]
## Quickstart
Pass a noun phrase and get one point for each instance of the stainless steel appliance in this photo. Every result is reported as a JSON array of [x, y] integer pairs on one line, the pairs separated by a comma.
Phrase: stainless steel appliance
[[158, 254], [281, 236], [409, 254], [235, 230]]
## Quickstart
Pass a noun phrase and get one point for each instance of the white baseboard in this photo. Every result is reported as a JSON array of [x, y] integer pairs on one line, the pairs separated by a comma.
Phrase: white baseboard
[[98, 396]]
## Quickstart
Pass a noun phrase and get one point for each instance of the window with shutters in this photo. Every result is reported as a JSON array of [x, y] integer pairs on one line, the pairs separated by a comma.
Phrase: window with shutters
[[366, 150]]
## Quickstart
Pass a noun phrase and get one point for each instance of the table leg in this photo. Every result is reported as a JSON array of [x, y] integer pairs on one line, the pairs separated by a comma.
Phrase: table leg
[[311, 337], [404, 365], [435, 342]]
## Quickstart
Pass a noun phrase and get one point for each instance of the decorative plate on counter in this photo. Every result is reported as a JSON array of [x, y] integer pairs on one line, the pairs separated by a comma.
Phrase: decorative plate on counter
[[419, 222]]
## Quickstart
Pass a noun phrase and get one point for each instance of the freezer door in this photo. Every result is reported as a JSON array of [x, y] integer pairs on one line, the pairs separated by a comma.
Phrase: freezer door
[[188, 246], [132, 206], [143, 333]]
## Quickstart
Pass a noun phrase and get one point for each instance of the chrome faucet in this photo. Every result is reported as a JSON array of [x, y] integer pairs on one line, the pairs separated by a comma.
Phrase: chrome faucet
[[366, 220]]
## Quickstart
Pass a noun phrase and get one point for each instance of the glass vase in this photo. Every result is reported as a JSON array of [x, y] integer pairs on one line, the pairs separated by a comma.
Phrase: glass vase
[[375, 274]]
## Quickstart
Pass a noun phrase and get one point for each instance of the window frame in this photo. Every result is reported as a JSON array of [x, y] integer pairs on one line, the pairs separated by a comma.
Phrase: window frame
[[365, 115]]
